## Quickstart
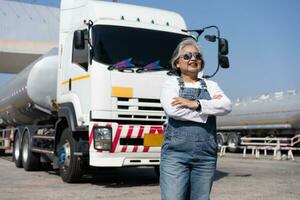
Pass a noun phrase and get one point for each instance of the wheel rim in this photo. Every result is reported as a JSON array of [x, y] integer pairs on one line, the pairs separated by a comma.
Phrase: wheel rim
[[17, 148], [220, 141], [232, 143], [65, 155], [25, 149]]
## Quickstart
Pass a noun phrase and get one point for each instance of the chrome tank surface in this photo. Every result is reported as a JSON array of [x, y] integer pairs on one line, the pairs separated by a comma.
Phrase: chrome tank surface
[[280, 110], [26, 99]]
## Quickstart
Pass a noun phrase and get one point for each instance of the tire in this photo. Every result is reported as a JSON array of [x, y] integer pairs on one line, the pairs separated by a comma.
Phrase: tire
[[233, 142], [70, 166], [17, 151], [30, 160], [220, 140], [2, 152]]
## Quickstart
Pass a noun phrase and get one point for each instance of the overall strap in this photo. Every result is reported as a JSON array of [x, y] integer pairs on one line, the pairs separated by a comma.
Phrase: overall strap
[[180, 82]]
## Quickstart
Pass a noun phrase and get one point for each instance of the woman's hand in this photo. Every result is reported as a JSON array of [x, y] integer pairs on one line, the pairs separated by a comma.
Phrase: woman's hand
[[180, 102]]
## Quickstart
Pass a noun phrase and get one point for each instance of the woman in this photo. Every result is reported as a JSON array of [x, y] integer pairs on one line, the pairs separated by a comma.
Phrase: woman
[[189, 150]]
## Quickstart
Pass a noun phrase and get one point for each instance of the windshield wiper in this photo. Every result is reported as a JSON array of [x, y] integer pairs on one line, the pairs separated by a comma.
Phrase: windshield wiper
[[154, 66], [123, 65]]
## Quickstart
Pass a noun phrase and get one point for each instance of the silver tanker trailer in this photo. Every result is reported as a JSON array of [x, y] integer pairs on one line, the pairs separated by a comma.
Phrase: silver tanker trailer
[[269, 115], [26, 99]]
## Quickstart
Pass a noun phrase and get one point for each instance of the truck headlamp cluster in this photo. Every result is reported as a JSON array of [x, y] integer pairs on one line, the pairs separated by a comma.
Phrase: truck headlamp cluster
[[102, 138]]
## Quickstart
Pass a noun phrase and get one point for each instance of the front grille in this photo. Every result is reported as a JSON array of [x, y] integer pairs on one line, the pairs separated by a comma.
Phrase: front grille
[[140, 109]]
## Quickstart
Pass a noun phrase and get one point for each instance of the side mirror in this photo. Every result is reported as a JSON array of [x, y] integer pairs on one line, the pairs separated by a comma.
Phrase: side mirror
[[224, 61], [223, 46], [79, 39]]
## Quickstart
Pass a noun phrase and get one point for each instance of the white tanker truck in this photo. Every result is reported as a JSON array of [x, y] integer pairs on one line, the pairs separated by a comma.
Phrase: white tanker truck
[[267, 116], [95, 100]]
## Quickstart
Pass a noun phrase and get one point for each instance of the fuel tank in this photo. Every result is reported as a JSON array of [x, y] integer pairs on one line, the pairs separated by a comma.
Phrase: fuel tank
[[27, 98], [280, 110]]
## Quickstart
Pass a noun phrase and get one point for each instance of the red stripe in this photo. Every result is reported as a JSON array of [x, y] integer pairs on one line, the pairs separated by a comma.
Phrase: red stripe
[[140, 134], [108, 125], [153, 130], [129, 133], [116, 138]]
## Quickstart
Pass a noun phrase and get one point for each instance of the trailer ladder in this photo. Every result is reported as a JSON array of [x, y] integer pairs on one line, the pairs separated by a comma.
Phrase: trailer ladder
[[274, 144], [6, 138]]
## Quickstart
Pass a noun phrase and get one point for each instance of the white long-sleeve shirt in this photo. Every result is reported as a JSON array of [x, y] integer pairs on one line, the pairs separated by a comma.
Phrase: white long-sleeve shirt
[[170, 89]]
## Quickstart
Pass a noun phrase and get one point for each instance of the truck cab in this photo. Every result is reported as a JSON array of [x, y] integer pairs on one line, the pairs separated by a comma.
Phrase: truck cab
[[95, 100], [113, 59]]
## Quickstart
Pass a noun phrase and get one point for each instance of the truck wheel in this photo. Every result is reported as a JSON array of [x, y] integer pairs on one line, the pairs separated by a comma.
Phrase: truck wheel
[[233, 142], [31, 160], [2, 152], [17, 151], [220, 140], [70, 167]]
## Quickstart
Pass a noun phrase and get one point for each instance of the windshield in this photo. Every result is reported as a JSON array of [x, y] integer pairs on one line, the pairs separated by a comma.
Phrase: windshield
[[118, 44]]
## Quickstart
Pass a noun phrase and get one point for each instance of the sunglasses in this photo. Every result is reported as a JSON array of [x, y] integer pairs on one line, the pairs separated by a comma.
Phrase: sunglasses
[[189, 55]]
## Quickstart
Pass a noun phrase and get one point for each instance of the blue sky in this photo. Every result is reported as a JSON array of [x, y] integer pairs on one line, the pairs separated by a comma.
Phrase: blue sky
[[263, 36]]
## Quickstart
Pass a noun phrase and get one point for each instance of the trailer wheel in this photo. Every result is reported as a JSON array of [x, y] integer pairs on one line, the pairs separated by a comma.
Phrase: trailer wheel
[[70, 167], [31, 160], [233, 141], [17, 151]]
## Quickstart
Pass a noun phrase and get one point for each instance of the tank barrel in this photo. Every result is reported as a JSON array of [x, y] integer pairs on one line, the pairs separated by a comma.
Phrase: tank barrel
[[27, 97]]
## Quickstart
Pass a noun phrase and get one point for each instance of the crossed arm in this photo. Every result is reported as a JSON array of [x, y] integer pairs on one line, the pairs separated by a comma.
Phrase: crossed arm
[[185, 109]]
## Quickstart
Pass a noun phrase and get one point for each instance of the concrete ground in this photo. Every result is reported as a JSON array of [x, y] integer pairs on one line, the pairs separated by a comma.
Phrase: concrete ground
[[236, 179]]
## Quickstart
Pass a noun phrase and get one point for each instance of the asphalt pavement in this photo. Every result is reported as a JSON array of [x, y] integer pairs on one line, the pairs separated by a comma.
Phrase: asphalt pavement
[[236, 179]]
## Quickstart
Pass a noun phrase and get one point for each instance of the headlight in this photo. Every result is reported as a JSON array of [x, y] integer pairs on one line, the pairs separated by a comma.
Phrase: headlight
[[102, 138]]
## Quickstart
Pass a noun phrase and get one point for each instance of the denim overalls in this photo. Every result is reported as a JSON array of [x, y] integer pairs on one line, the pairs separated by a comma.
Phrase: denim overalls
[[189, 153]]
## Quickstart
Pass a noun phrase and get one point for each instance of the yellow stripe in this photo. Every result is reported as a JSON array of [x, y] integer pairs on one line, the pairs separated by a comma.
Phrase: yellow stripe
[[77, 78], [253, 122], [122, 92], [261, 113], [261, 122]]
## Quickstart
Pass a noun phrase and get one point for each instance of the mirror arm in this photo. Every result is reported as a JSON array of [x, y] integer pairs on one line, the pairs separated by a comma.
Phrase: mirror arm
[[199, 32], [90, 24], [219, 54]]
